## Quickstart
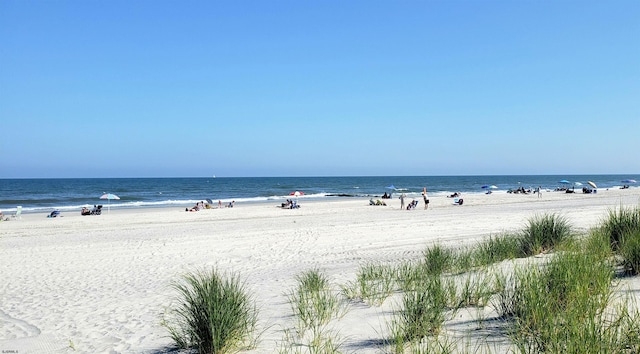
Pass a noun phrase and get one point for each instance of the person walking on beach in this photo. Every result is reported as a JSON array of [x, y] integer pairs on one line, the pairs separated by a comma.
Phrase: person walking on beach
[[426, 199], [402, 201]]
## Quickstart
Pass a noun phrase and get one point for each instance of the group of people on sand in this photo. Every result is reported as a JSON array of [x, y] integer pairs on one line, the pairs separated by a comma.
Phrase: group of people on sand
[[377, 202], [520, 190], [97, 210], [202, 205], [414, 203], [290, 204], [199, 206]]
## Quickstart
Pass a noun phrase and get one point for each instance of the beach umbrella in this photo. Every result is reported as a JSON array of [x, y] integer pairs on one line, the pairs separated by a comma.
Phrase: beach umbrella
[[577, 184], [391, 187], [486, 186], [296, 194], [629, 181], [564, 181], [592, 184], [108, 197]]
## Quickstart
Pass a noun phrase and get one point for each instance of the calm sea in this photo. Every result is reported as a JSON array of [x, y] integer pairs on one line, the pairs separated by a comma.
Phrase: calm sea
[[38, 195]]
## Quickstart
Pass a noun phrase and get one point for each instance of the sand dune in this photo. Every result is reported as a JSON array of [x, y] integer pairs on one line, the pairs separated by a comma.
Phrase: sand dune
[[100, 284]]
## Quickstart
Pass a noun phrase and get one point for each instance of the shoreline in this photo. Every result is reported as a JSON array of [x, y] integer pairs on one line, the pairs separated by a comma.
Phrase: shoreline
[[69, 210], [104, 282]]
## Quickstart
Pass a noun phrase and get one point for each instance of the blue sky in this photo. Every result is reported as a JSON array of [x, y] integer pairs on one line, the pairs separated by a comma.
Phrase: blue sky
[[324, 88]]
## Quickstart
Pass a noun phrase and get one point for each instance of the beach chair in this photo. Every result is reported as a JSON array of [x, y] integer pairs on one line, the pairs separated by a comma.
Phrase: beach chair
[[18, 214], [97, 210]]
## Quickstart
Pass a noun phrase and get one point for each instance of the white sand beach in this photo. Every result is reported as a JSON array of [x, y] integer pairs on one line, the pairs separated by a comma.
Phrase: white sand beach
[[101, 284]]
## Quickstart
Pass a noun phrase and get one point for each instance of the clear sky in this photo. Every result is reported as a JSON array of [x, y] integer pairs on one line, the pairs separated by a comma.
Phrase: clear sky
[[318, 88]]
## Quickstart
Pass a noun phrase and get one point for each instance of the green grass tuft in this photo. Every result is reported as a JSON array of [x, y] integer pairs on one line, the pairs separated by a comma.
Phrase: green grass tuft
[[543, 233], [214, 314], [629, 250], [620, 222], [313, 301], [374, 284]]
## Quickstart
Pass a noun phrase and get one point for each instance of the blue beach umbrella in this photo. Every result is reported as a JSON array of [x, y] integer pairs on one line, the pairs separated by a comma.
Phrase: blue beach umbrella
[[564, 181], [629, 181], [108, 197], [391, 187]]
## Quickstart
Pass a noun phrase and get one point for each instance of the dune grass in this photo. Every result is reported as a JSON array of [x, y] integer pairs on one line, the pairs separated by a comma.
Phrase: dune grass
[[319, 340], [313, 301], [215, 314], [562, 303], [496, 249], [566, 306], [622, 227], [629, 251], [373, 285], [543, 232], [619, 222], [314, 304], [438, 260], [421, 314]]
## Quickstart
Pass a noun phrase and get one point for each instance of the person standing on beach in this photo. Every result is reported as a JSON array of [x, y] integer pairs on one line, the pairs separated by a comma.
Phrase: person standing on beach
[[539, 192], [402, 201], [426, 199]]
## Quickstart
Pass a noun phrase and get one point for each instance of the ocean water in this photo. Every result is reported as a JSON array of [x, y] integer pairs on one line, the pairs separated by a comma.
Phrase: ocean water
[[40, 195]]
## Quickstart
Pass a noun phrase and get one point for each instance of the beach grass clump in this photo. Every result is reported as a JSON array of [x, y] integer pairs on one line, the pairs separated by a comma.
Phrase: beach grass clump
[[629, 251], [596, 243], [215, 314], [619, 222], [313, 301], [496, 249], [421, 314], [438, 259], [561, 306], [474, 290], [544, 232], [319, 340], [374, 284], [412, 274]]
